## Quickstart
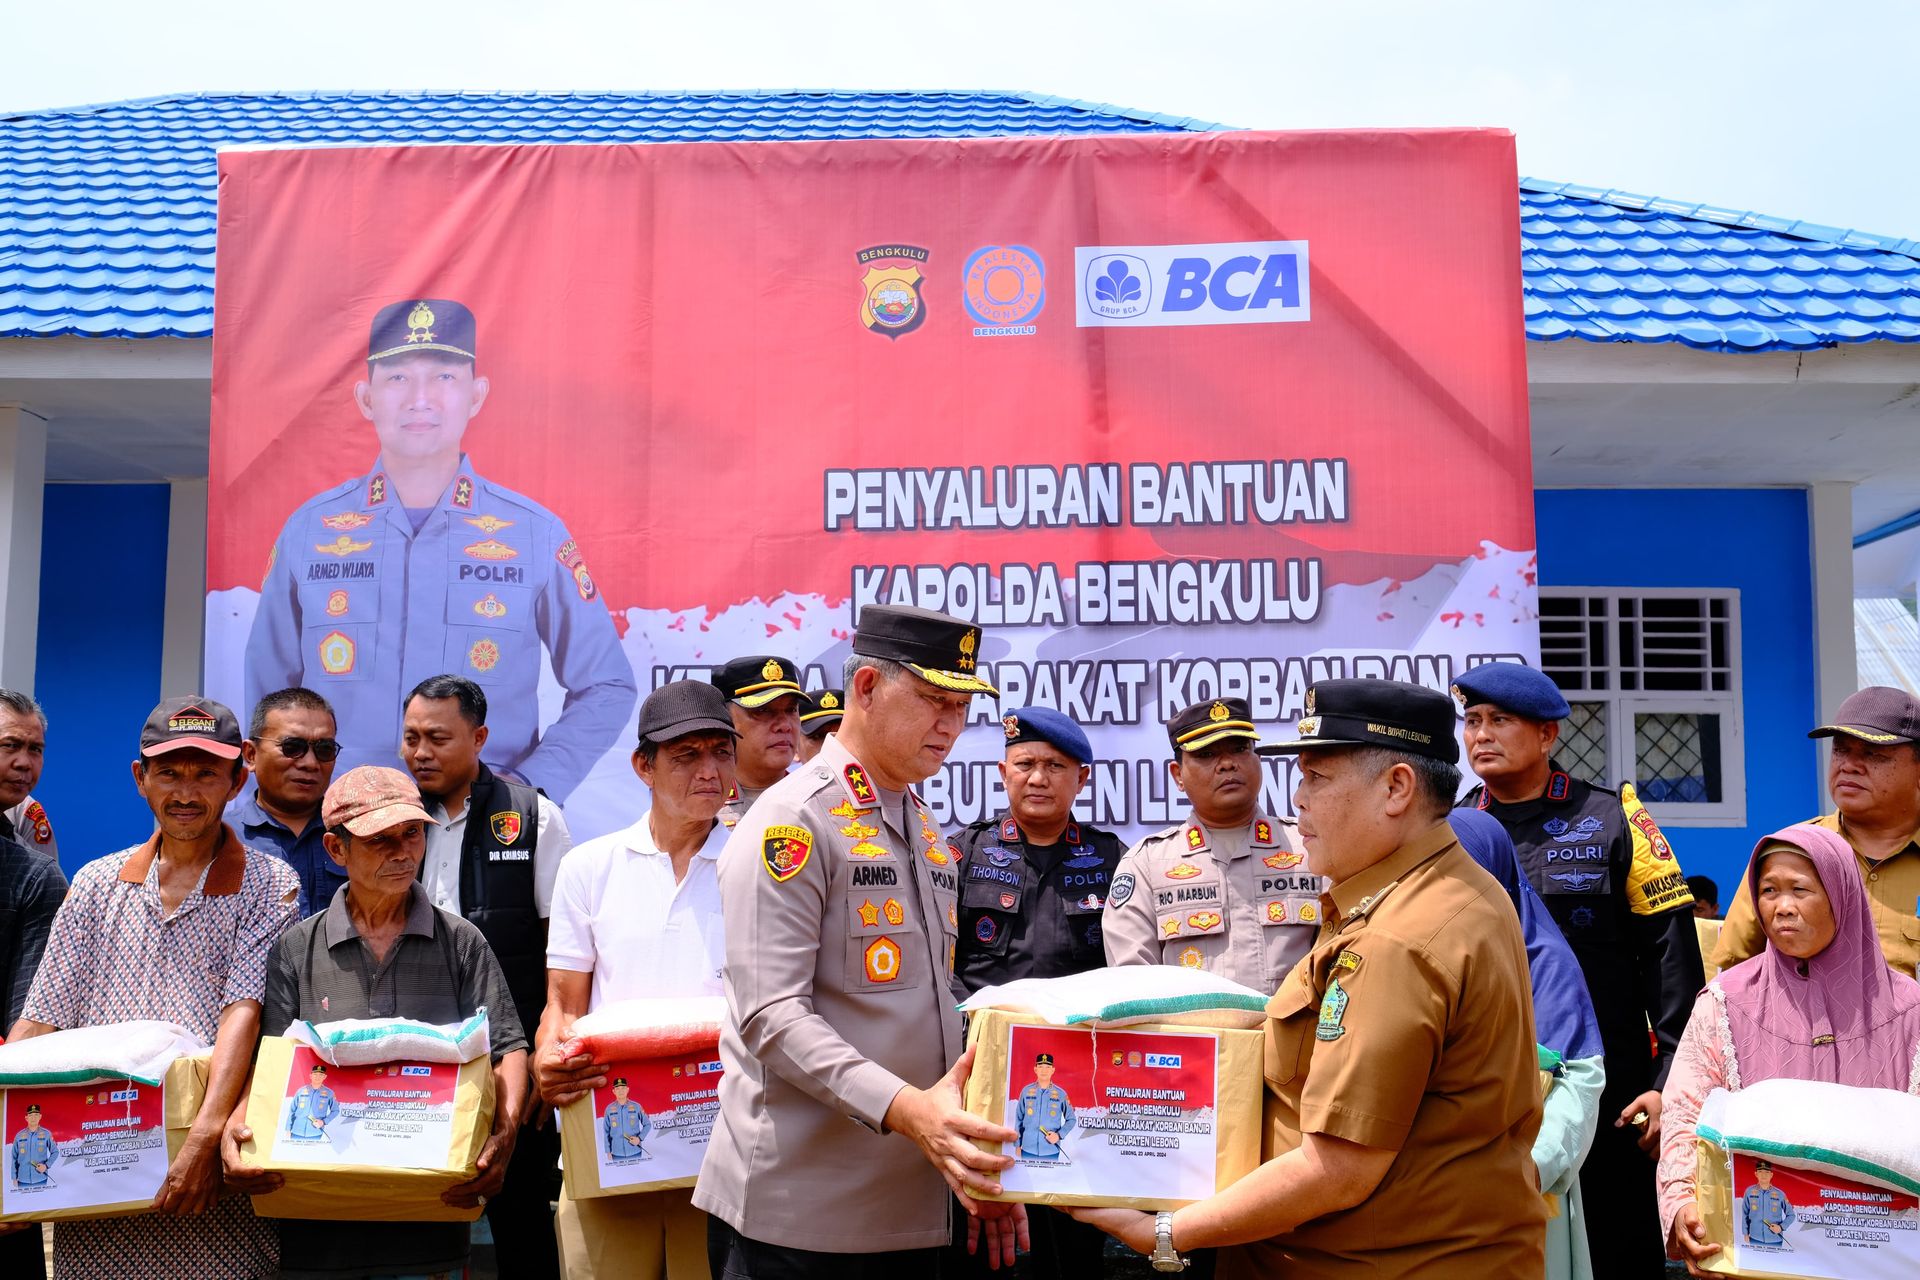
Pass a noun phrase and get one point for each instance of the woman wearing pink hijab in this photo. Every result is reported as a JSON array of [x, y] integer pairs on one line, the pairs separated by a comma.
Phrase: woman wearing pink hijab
[[1819, 1003]]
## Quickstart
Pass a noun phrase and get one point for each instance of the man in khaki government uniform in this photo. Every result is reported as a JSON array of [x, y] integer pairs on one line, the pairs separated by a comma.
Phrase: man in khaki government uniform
[[1227, 890], [1402, 1082], [840, 917], [1874, 778]]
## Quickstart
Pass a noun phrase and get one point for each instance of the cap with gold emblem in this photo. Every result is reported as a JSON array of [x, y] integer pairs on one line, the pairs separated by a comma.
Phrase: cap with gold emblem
[[939, 648], [1205, 723], [758, 680], [824, 710], [422, 324], [1375, 713]]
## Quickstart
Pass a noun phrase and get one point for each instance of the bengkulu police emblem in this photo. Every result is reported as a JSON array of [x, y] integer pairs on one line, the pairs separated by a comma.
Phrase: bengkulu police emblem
[[890, 302]]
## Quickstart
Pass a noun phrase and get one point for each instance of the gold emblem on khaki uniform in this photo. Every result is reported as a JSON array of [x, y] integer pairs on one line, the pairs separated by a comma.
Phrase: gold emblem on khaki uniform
[[867, 849], [1181, 871], [1348, 960], [895, 913], [857, 830], [488, 524], [1281, 861], [882, 960], [1191, 958], [1170, 927], [869, 915], [341, 546], [1276, 913], [1309, 913], [1204, 919], [846, 809]]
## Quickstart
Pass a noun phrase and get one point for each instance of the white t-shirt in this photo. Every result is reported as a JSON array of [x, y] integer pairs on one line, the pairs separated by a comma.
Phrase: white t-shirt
[[441, 872], [618, 915]]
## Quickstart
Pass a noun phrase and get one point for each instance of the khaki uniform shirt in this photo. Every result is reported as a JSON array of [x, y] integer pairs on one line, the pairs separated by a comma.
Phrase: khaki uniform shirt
[[839, 908], [1239, 903], [1410, 1028], [738, 801], [1893, 891]]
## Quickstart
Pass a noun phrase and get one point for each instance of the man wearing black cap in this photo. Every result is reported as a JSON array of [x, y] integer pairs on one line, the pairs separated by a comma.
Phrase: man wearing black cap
[[1873, 775], [177, 928], [1033, 884], [423, 567], [1402, 1085], [820, 718], [1613, 886], [636, 914], [1227, 890], [840, 923], [765, 699]]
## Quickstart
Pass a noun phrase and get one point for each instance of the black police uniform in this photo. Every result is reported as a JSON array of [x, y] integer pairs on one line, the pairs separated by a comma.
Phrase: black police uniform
[[1030, 911], [1612, 885]]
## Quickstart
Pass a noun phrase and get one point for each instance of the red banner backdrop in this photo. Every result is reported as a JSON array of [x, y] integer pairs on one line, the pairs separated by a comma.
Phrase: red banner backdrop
[[1173, 416]]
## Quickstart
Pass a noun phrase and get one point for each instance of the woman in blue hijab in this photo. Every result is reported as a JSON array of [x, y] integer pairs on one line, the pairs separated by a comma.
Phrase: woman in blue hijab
[[1569, 1040]]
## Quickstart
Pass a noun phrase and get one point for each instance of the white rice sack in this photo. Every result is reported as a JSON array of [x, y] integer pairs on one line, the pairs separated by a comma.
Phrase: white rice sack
[[1129, 994], [1867, 1135], [353, 1042], [140, 1051]]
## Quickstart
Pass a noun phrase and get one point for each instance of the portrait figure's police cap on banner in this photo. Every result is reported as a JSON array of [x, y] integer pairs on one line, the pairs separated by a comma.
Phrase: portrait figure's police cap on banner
[[1205, 723], [1512, 687], [1375, 713], [939, 648], [757, 680], [824, 711], [422, 324], [1044, 724], [682, 707]]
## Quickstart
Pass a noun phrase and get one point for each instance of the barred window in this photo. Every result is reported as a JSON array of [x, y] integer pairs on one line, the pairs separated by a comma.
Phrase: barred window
[[1654, 682]]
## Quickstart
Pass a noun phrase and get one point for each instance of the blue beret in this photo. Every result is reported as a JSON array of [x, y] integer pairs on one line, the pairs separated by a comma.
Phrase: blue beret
[[1043, 724], [1525, 691]]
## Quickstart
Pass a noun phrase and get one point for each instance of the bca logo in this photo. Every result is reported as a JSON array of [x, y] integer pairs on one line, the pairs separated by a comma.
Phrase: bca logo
[[1163, 1060], [1249, 282]]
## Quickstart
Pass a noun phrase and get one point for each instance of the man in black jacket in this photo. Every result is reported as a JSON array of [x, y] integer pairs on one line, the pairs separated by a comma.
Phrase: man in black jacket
[[492, 858], [1613, 886]]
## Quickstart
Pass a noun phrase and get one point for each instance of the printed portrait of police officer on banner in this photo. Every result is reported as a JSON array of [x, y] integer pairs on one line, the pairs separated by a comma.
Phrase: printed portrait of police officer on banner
[[423, 567]]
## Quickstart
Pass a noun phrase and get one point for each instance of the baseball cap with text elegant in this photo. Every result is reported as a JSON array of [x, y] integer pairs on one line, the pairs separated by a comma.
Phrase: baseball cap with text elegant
[[1374, 713], [1876, 714], [191, 723], [683, 707], [939, 648], [370, 799]]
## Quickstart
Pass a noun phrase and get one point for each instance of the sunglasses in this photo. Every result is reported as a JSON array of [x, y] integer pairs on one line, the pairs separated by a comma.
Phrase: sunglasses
[[325, 750]]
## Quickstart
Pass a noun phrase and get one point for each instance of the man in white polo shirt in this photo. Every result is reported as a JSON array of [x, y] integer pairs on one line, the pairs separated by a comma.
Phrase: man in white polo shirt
[[637, 913]]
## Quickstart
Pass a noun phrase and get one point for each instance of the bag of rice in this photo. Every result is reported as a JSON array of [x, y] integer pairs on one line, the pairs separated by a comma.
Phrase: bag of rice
[[140, 1051], [353, 1042]]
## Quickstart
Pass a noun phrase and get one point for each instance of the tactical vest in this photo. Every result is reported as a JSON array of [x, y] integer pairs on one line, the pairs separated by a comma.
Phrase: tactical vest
[[496, 887]]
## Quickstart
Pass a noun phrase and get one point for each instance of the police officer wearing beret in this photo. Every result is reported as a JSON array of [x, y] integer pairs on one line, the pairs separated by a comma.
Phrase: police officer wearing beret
[[840, 918], [1227, 890], [765, 699], [1611, 881], [424, 567], [1402, 1091], [820, 718], [1033, 884]]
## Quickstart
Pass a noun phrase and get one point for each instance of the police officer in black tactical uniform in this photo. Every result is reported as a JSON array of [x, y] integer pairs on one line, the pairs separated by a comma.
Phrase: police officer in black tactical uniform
[[1610, 879], [1032, 887]]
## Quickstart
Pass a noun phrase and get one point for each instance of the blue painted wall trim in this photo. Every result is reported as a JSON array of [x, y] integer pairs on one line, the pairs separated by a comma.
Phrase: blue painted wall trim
[[1754, 540], [103, 572]]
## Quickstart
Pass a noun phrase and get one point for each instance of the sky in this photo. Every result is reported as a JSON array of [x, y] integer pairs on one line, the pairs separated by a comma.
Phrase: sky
[[1789, 109]]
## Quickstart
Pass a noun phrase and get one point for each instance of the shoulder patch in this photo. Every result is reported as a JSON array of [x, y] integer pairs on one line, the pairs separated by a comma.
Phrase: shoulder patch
[[858, 787], [1655, 883], [1121, 890], [785, 850]]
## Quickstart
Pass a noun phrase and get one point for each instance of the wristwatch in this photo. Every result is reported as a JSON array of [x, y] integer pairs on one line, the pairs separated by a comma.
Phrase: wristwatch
[[1163, 1256]]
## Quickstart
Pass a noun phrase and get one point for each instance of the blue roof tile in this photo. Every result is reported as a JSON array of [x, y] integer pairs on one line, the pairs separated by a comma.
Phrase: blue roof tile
[[107, 211]]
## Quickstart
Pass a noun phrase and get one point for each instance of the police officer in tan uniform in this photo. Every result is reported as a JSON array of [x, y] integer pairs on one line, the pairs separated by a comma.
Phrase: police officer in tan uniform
[[840, 921], [820, 717], [1402, 1086], [765, 700], [1228, 890]]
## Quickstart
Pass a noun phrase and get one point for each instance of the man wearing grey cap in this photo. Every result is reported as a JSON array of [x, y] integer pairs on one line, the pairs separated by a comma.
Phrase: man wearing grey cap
[[381, 949], [177, 928], [1873, 775], [637, 913], [840, 925]]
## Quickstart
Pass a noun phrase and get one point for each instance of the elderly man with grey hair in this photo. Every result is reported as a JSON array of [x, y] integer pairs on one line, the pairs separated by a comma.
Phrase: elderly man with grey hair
[[23, 753]]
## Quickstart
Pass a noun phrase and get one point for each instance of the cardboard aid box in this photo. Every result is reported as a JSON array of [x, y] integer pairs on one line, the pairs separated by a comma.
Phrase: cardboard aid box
[[104, 1148], [1145, 1117], [375, 1143], [1793, 1223], [648, 1134]]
